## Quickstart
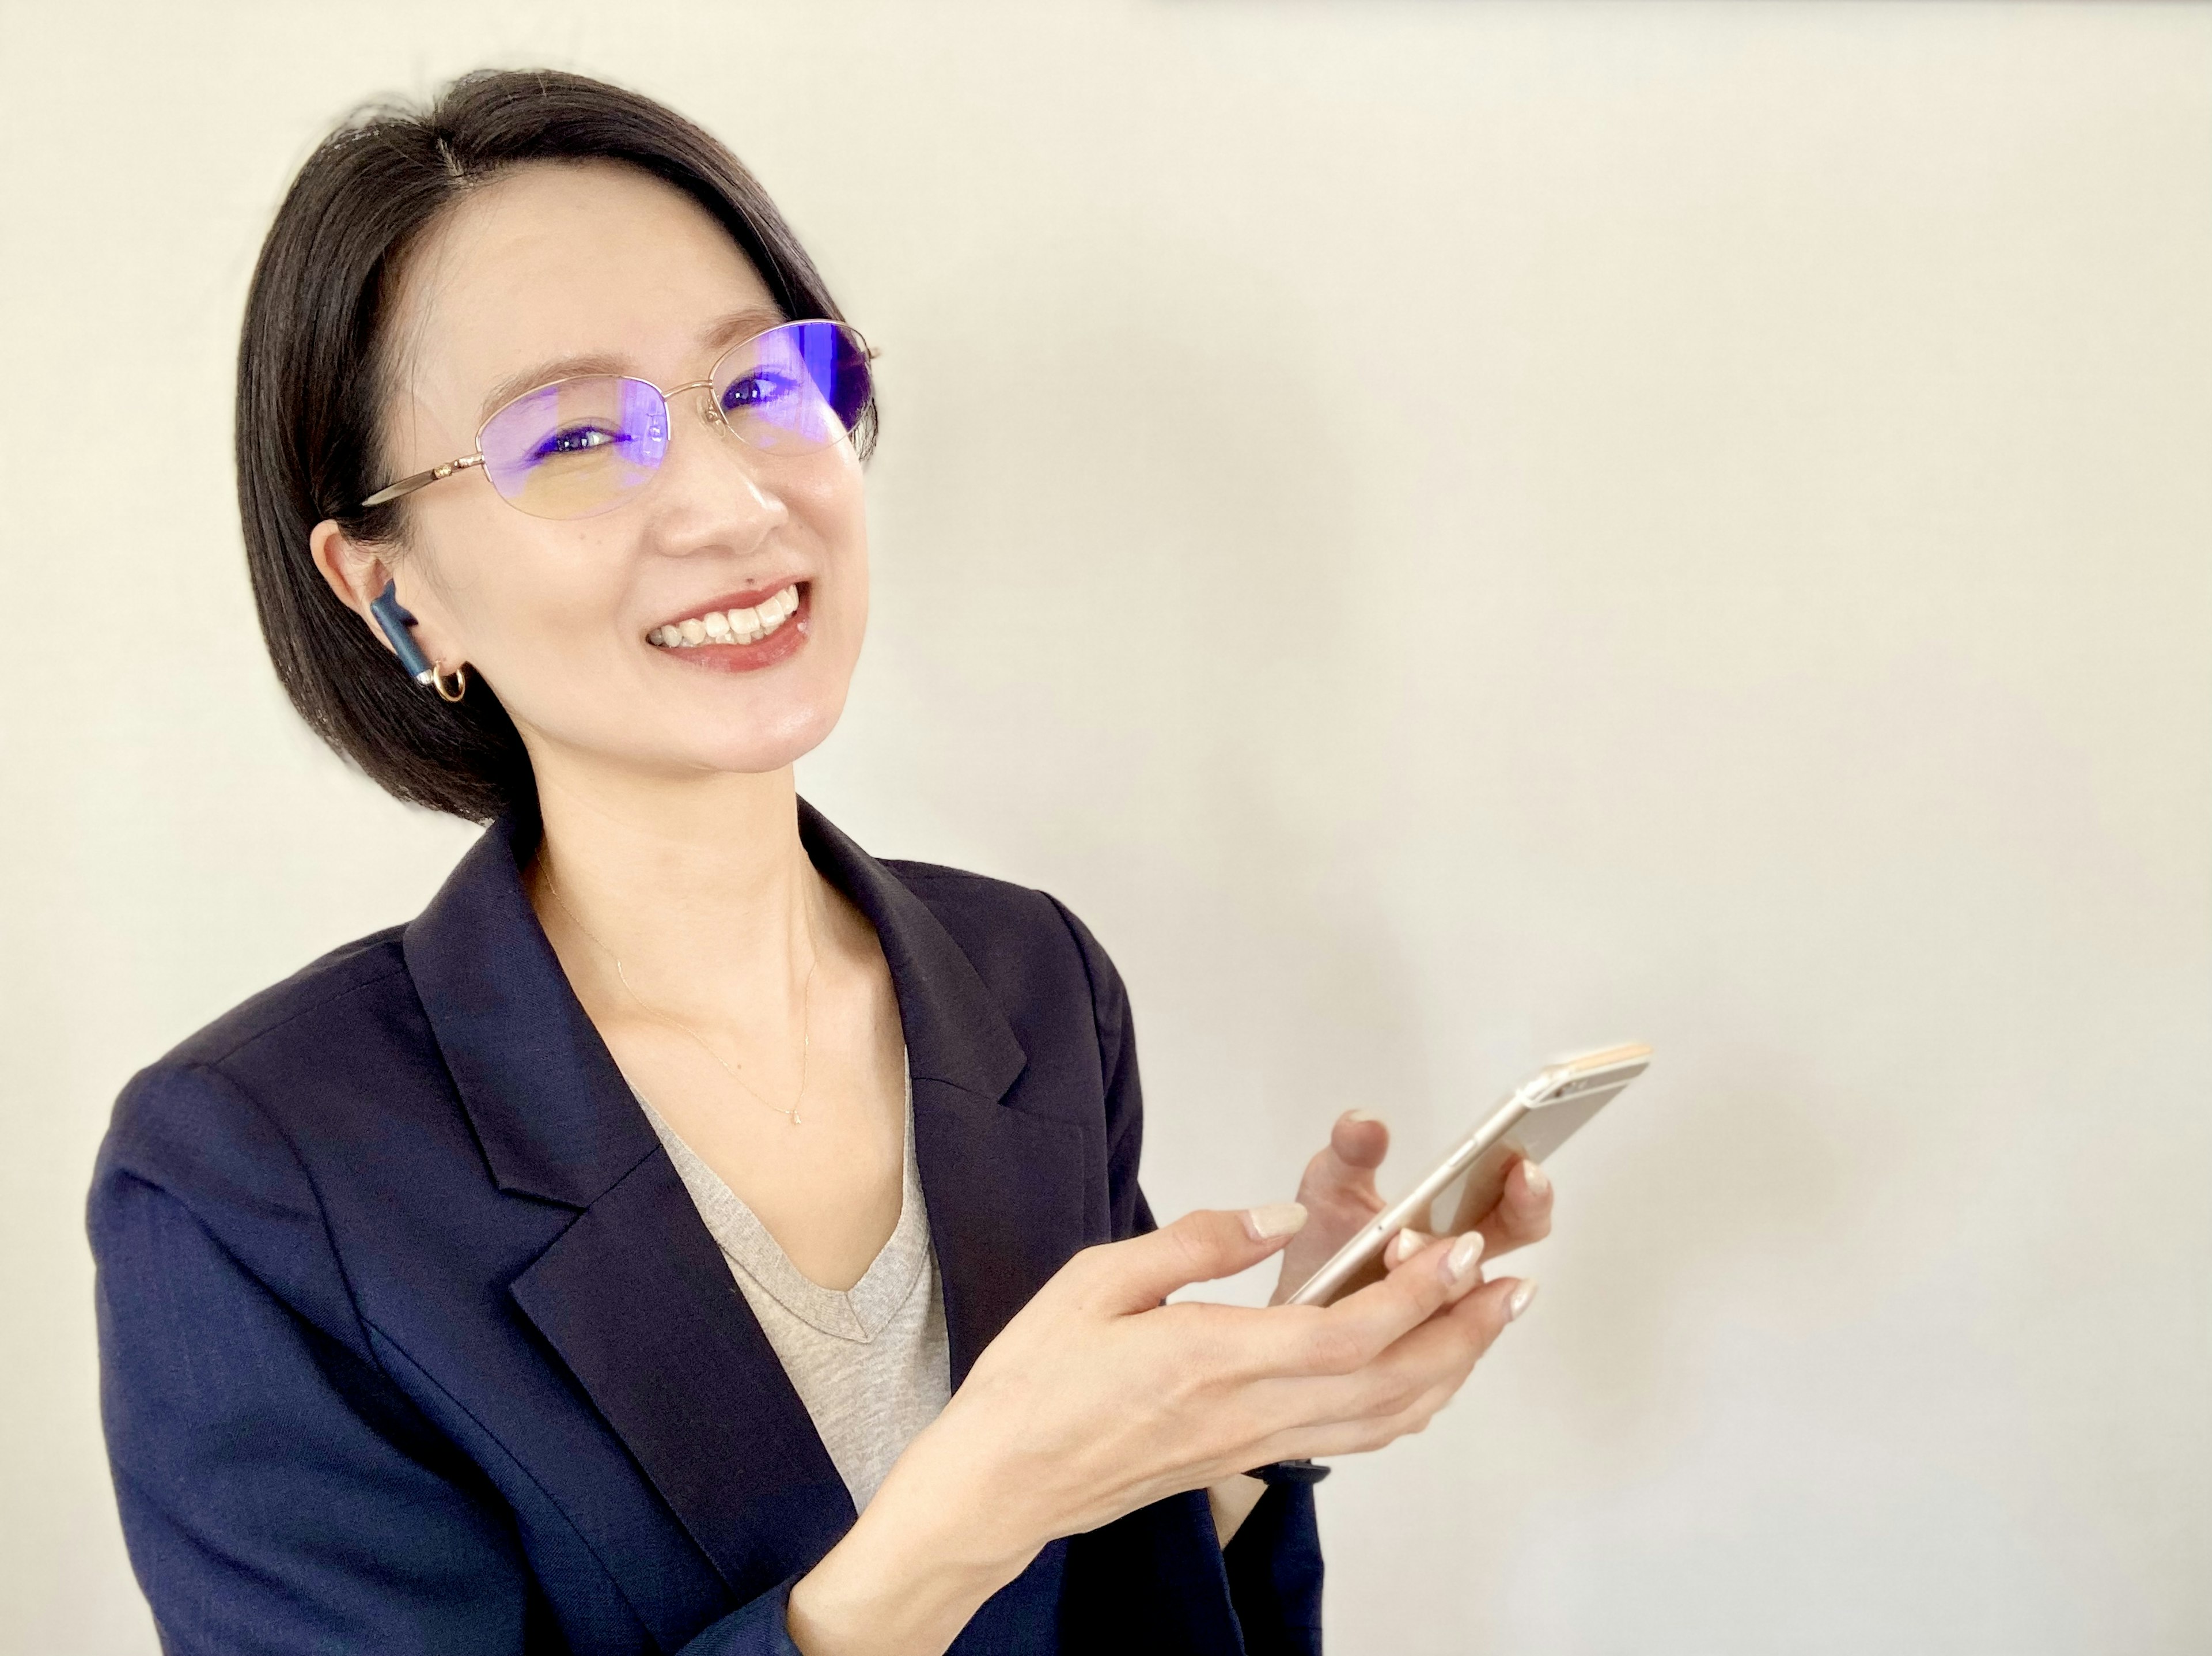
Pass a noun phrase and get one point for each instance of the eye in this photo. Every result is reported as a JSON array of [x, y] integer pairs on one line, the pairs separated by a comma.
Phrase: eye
[[572, 440], [761, 388]]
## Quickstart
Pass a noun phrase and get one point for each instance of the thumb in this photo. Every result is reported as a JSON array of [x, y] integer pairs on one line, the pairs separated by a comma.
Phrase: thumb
[[1345, 1168], [1138, 1274]]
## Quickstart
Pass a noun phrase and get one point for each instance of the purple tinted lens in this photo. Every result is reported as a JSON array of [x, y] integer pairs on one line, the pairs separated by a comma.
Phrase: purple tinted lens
[[796, 387], [576, 446]]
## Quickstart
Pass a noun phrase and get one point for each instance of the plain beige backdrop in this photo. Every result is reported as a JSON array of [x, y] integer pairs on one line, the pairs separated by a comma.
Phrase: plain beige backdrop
[[1446, 532]]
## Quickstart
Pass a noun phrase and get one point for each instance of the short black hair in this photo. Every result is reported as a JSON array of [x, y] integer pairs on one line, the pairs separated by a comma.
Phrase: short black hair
[[313, 375]]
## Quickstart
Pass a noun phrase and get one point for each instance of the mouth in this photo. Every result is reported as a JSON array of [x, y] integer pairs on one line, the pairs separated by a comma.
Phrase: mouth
[[739, 632]]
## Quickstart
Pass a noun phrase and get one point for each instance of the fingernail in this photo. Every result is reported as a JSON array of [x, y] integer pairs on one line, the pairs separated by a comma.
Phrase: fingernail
[[1405, 1245], [1519, 1301], [1276, 1219], [1540, 1182], [1360, 1115], [1460, 1263]]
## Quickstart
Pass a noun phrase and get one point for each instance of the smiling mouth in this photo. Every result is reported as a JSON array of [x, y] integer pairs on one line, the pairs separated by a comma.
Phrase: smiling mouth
[[733, 625]]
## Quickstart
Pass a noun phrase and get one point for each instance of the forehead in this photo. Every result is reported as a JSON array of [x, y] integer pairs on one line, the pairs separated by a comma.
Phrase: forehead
[[563, 260]]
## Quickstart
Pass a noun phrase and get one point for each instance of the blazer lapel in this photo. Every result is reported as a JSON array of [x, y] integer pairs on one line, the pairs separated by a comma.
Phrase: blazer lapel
[[1007, 1187], [635, 1296]]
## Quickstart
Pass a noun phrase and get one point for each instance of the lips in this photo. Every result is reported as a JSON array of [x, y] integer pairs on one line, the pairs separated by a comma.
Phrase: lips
[[739, 634]]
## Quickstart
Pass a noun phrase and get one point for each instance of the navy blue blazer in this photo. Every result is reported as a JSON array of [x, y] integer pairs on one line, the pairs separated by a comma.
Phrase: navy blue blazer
[[412, 1341]]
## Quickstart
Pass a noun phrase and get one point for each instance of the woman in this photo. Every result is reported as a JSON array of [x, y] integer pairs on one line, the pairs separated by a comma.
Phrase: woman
[[689, 1233]]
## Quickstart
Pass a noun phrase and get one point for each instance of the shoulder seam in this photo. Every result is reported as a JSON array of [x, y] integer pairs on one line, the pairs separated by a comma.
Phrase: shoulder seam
[[398, 968]]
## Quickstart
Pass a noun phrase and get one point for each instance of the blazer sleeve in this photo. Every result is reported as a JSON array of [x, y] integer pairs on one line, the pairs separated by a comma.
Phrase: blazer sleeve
[[1273, 1562], [279, 1493]]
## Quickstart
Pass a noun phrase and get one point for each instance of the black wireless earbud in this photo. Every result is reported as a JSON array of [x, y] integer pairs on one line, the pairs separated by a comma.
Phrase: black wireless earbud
[[393, 622]]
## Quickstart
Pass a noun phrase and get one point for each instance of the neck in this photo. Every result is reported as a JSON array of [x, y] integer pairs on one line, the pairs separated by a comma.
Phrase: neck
[[699, 885]]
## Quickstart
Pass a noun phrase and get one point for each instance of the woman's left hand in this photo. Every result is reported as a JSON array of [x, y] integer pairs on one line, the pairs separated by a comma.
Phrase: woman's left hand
[[1338, 1194], [1339, 1191]]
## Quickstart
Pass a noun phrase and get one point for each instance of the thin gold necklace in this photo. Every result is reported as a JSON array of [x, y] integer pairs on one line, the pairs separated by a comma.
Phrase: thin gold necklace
[[805, 1013]]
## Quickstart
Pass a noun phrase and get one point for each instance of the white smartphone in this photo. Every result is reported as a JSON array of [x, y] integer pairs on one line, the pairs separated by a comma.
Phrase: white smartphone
[[1537, 1118]]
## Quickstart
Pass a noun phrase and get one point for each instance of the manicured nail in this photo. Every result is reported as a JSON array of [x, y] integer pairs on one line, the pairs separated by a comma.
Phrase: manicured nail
[[1404, 1245], [1540, 1182], [1460, 1263], [1360, 1115], [1519, 1301], [1276, 1219]]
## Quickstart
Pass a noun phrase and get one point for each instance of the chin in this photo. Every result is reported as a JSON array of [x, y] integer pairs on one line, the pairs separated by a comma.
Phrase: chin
[[716, 722], [762, 743]]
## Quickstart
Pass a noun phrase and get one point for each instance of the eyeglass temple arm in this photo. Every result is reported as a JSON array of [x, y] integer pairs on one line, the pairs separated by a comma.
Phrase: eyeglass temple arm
[[392, 491]]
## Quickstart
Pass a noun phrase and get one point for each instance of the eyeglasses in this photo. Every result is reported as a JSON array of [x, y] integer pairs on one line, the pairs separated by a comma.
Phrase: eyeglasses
[[579, 446]]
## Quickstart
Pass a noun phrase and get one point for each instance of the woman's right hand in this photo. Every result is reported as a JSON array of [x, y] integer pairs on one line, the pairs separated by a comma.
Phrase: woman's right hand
[[1097, 1399]]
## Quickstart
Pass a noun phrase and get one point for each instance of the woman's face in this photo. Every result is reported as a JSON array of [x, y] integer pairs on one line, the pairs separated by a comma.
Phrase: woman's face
[[561, 269]]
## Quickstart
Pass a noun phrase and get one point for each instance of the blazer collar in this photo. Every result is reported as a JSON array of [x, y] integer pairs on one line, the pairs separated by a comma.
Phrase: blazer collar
[[550, 1110], [955, 1032]]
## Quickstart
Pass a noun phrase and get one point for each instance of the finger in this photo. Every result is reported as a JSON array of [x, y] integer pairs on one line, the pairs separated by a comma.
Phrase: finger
[[1522, 1213], [1399, 1392], [1138, 1274], [1404, 1245], [1348, 1335], [1343, 1173], [1359, 1140], [1434, 1360], [1338, 1189]]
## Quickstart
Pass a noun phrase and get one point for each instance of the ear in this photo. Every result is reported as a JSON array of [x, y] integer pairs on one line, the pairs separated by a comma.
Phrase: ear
[[355, 572], [359, 571]]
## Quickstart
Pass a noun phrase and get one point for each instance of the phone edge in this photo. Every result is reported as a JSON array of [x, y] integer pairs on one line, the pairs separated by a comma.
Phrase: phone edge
[[1359, 1247], [1550, 1080]]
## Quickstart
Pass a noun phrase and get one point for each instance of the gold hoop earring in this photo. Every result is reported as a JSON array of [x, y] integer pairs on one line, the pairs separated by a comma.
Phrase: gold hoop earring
[[460, 682]]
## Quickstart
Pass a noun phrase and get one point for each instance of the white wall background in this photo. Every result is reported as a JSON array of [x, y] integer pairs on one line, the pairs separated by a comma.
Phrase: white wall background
[[1449, 532]]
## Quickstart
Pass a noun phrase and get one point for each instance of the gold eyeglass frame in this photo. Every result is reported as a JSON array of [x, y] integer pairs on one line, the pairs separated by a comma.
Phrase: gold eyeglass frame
[[408, 485]]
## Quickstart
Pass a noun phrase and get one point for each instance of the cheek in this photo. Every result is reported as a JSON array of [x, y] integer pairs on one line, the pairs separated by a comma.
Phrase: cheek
[[834, 516], [528, 606], [845, 610]]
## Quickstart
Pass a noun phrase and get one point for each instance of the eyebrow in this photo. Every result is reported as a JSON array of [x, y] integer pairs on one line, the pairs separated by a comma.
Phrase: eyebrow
[[717, 335]]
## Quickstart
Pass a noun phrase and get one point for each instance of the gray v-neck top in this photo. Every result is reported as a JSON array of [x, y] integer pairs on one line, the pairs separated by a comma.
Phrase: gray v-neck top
[[871, 1364]]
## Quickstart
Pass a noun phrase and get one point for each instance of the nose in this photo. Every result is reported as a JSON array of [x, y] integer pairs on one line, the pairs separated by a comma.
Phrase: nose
[[711, 493]]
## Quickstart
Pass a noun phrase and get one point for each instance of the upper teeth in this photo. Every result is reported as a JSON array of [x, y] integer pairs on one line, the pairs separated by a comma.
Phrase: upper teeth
[[730, 626]]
